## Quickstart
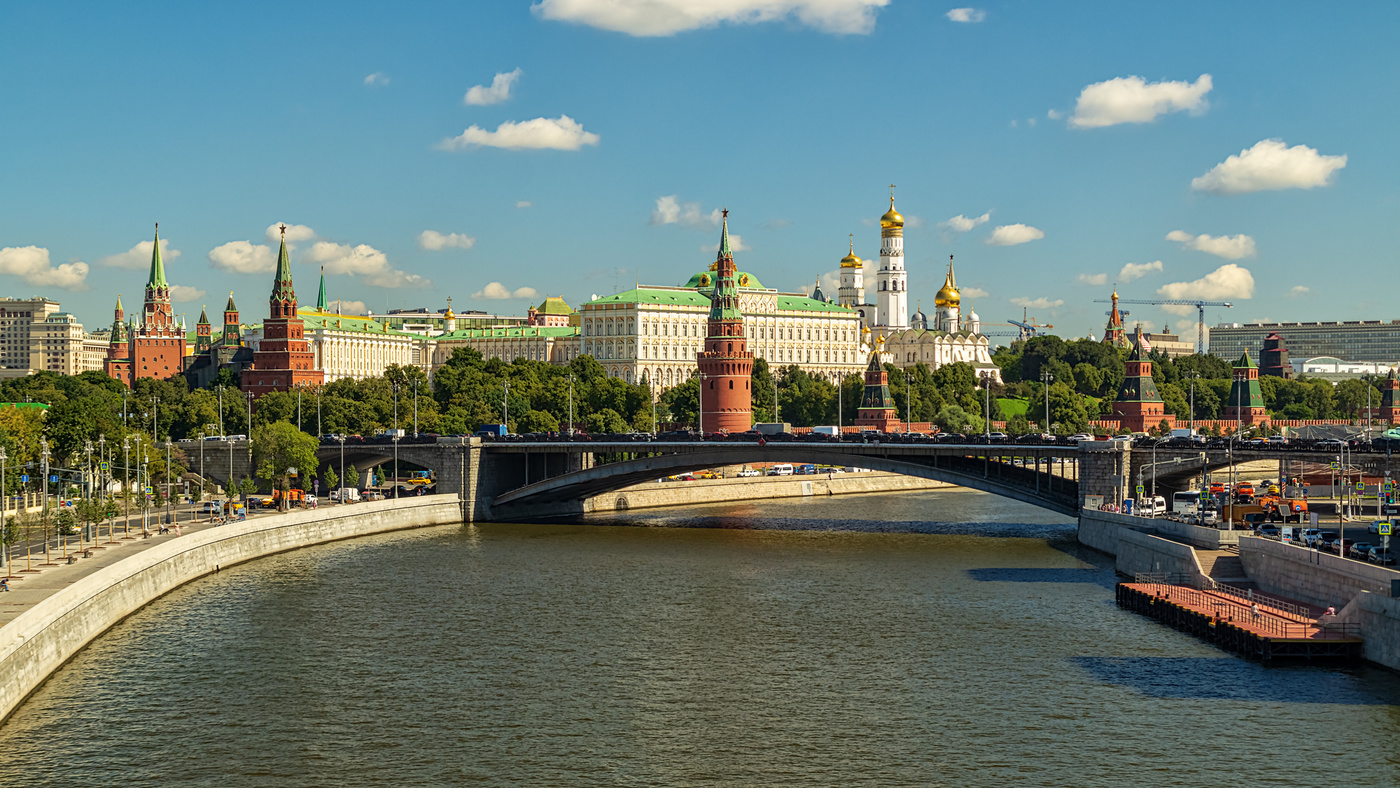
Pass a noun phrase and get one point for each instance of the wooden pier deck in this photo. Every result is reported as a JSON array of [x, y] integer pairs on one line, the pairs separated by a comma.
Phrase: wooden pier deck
[[1278, 630]]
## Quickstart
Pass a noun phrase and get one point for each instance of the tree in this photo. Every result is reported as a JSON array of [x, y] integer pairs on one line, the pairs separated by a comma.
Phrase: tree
[[352, 476], [951, 418], [278, 447], [1018, 424], [332, 480], [605, 421], [683, 402]]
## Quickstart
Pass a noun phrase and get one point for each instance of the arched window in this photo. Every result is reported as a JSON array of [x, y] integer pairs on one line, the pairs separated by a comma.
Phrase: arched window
[[731, 385]]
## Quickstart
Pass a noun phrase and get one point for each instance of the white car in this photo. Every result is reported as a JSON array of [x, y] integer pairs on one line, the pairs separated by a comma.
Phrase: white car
[[1083, 436], [750, 472]]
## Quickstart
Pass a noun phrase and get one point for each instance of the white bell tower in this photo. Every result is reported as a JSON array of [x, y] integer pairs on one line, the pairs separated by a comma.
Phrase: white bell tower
[[891, 280]]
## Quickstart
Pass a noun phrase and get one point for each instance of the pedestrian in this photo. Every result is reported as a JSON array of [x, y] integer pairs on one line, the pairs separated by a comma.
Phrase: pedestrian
[[4, 584], [1255, 608]]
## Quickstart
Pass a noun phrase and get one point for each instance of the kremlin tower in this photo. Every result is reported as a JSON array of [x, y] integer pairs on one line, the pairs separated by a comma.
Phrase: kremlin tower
[[876, 405], [1245, 403], [1113, 333], [892, 281], [283, 359], [948, 303], [726, 401], [154, 348]]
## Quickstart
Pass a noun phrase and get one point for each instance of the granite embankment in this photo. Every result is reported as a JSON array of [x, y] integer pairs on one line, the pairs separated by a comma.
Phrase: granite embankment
[[676, 493], [50, 628]]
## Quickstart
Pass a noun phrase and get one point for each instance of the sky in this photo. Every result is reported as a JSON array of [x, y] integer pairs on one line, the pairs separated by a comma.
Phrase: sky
[[499, 152]]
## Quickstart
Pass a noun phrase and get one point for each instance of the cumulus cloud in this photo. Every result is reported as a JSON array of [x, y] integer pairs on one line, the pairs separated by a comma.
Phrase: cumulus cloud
[[185, 293], [243, 257], [776, 224], [139, 256], [1224, 283], [1133, 271], [1230, 247], [561, 133], [364, 261], [1298, 291], [348, 307], [1135, 100], [966, 15], [433, 241], [670, 210], [524, 204], [1054, 114], [1092, 279], [377, 78], [736, 244], [296, 233], [1037, 303], [961, 224], [31, 263], [1270, 165], [496, 291], [495, 93], [974, 292], [668, 17], [1014, 234]]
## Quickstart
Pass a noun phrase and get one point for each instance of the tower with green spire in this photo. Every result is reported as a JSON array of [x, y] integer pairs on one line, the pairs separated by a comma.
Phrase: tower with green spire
[[726, 364], [1246, 402], [155, 343], [283, 359], [231, 336], [203, 332], [321, 304]]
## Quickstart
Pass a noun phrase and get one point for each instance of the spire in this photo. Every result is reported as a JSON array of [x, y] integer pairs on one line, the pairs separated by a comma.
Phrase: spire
[[724, 250], [952, 278], [282, 280], [229, 307], [157, 277], [203, 316], [321, 305]]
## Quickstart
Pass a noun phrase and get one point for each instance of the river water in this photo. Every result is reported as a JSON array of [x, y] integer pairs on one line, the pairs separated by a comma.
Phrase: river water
[[944, 638]]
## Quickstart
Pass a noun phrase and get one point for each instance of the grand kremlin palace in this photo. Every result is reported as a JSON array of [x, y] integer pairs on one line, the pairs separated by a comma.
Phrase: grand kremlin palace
[[653, 333]]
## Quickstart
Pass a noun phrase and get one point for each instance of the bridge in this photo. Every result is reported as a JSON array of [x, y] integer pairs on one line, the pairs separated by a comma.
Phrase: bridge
[[520, 480]]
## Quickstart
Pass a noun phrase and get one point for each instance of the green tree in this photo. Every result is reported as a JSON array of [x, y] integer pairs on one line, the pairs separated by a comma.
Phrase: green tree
[[683, 402], [1018, 425], [605, 421], [332, 480], [952, 418], [278, 447], [352, 476]]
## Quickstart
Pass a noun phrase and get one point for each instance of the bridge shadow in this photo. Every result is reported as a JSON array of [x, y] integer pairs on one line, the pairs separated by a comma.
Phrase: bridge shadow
[[1094, 576], [1227, 678]]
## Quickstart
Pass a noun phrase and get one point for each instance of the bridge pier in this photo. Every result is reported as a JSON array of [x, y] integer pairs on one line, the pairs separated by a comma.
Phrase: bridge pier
[[1103, 470]]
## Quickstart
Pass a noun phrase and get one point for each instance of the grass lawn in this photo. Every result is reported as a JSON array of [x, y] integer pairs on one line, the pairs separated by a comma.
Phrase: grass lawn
[[1012, 407]]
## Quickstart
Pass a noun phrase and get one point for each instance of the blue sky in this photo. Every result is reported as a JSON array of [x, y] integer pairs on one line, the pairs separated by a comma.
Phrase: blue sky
[[219, 120]]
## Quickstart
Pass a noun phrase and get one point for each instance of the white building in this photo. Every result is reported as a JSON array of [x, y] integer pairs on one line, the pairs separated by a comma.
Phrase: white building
[[351, 346], [652, 333], [952, 338], [891, 280]]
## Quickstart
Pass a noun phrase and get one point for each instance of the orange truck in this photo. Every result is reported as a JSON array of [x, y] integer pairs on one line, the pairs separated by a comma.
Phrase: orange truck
[[1283, 509]]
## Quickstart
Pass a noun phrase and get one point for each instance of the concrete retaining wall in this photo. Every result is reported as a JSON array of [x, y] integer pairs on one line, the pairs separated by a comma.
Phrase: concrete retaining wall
[[1194, 535], [43, 638], [1314, 577], [645, 496], [1136, 549], [1379, 617]]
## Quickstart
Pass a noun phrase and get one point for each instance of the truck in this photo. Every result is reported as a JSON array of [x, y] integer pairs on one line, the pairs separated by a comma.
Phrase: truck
[[492, 431], [348, 495], [829, 431], [773, 428]]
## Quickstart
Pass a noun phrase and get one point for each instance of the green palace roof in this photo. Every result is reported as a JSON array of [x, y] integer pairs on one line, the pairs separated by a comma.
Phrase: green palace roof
[[554, 305], [686, 296], [512, 332], [744, 280]]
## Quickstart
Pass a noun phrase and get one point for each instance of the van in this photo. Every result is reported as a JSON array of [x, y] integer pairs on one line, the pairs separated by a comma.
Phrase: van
[[829, 431], [780, 470], [1150, 506]]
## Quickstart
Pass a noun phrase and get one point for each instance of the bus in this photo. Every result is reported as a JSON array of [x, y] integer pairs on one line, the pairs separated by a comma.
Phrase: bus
[[1186, 502]]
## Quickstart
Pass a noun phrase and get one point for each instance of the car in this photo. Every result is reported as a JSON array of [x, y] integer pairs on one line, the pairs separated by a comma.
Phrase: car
[[1268, 532], [1379, 555], [1332, 444], [1082, 436], [1359, 550], [750, 472]]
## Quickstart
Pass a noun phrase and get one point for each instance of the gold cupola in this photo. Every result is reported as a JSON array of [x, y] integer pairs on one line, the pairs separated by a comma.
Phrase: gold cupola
[[948, 295], [892, 219], [850, 260]]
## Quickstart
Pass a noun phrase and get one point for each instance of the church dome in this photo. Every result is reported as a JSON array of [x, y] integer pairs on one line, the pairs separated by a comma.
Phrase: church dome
[[851, 260], [948, 295], [892, 218]]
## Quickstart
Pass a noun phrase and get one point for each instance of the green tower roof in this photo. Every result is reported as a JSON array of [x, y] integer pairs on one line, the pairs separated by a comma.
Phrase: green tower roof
[[157, 277], [1244, 362], [229, 307], [282, 280], [321, 305], [203, 317]]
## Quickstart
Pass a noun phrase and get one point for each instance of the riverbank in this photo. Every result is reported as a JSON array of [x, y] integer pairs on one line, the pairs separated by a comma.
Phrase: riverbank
[[49, 617], [758, 488]]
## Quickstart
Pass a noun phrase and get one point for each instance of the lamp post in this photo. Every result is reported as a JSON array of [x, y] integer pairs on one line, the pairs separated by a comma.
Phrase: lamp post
[[415, 407], [341, 439], [1154, 475], [1193, 374], [1046, 378], [4, 534], [840, 406], [396, 467], [87, 450], [318, 412], [299, 387], [167, 481], [505, 407], [571, 409], [222, 431], [126, 483]]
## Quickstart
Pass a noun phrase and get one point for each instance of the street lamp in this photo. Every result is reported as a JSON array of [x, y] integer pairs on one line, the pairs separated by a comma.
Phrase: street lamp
[[167, 481], [396, 467], [1046, 378], [5, 547], [126, 484], [340, 438], [87, 449], [571, 409], [415, 407]]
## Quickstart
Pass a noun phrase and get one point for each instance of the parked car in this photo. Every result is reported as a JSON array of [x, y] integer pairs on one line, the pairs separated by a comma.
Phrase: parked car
[[750, 472], [1268, 532], [1359, 550], [1378, 555]]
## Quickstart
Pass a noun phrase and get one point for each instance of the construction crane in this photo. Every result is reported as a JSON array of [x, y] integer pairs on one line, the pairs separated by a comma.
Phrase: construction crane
[[1200, 312], [1027, 325]]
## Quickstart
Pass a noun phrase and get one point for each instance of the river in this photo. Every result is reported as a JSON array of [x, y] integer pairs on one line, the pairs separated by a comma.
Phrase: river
[[942, 638]]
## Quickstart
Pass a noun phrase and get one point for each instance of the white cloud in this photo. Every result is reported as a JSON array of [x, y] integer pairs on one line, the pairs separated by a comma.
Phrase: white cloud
[[1230, 247], [1298, 291], [499, 90], [962, 224], [348, 307], [185, 293], [669, 210], [524, 204], [1037, 303], [776, 224], [1093, 279], [243, 257], [974, 292], [363, 261], [1270, 165], [139, 256], [1054, 114], [1013, 234], [1133, 271], [32, 264], [296, 233], [831, 283], [1226, 282], [668, 17], [498, 292], [433, 240], [561, 133], [377, 78], [966, 15], [1135, 100], [736, 244]]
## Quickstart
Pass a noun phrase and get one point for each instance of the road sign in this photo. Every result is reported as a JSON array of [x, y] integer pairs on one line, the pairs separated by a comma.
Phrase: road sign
[[1389, 485], [105, 466], [1336, 466], [1383, 527], [1139, 489], [1360, 487], [24, 478], [53, 478]]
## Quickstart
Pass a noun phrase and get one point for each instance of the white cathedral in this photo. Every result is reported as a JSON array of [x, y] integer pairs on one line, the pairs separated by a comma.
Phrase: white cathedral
[[952, 337]]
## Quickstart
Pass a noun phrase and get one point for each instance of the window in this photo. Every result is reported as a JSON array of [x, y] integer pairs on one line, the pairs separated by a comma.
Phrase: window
[[731, 385]]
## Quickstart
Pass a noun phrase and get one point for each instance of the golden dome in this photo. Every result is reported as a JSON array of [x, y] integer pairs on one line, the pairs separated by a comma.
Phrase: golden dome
[[948, 295], [850, 260], [891, 218]]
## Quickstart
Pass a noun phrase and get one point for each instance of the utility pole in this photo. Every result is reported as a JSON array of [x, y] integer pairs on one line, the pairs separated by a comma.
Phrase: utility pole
[[5, 547]]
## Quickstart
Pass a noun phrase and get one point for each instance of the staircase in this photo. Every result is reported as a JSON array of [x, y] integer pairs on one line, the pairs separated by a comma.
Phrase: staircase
[[1223, 567]]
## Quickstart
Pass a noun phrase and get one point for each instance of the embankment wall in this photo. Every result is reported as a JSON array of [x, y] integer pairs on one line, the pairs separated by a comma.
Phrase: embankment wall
[[1135, 549], [653, 494], [39, 641], [1314, 577]]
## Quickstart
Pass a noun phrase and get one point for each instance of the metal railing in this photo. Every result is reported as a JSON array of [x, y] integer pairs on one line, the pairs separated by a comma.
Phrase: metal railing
[[1251, 596], [1267, 620]]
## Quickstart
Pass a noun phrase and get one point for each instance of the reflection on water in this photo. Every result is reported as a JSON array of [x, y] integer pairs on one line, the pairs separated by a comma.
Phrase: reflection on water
[[980, 647]]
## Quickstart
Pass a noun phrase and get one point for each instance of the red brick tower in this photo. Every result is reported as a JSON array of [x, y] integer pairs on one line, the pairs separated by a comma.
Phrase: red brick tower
[[876, 405], [1245, 403], [726, 365], [1389, 391], [1139, 407], [283, 358], [157, 343], [118, 363]]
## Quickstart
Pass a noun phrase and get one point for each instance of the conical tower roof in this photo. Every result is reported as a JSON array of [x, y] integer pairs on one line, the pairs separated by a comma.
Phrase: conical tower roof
[[321, 303], [229, 307], [203, 316], [1245, 362], [282, 281], [157, 276]]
